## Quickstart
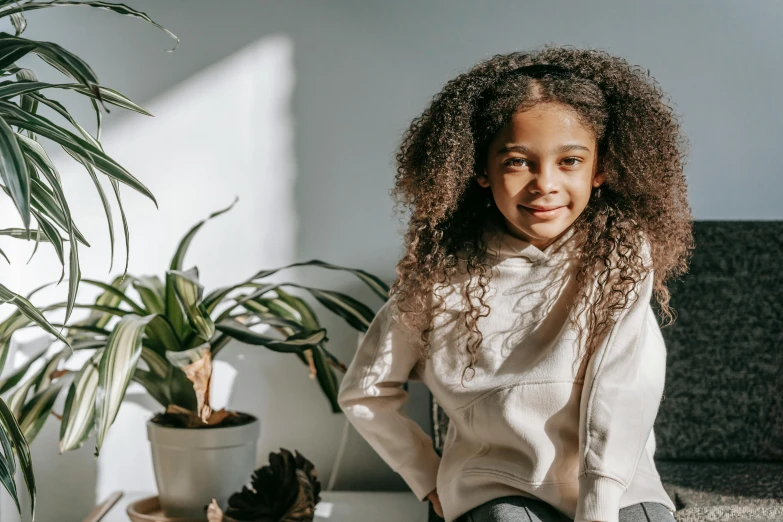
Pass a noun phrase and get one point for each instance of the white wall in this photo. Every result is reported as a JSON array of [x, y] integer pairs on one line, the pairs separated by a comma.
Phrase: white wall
[[312, 109]]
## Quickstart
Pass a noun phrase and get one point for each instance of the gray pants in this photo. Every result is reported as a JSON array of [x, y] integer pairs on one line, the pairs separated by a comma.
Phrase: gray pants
[[516, 508]]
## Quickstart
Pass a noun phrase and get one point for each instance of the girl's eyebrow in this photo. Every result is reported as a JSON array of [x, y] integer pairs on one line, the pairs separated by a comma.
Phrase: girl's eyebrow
[[515, 147]]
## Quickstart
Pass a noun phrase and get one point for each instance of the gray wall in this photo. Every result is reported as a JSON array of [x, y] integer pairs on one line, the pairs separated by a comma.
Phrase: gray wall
[[363, 70]]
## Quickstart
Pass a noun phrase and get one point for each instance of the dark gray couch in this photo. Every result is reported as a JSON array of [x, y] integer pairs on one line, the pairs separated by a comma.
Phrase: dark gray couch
[[719, 430]]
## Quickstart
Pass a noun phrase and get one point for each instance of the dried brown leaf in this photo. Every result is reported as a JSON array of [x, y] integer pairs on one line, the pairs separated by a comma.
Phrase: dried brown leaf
[[200, 374], [214, 513]]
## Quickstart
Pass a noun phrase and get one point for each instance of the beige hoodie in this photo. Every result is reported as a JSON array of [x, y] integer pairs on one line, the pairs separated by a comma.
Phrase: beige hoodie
[[531, 421]]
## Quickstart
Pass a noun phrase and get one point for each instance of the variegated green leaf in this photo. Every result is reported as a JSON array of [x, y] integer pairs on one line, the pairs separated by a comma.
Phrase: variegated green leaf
[[13, 170], [355, 313], [88, 344], [263, 316], [180, 389], [111, 298], [255, 296], [57, 190], [44, 377], [8, 452], [18, 233], [35, 247], [374, 283], [79, 411], [161, 336], [36, 153], [11, 52], [63, 111], [298, 313], [157, 364], [299, 306], [174, 388], [174, 312], [37, 123], [214, 298], [294, 343], [35, 412], [19, 396], [110, 96], [28, 104], [84, 328], [109, 6], [14, 379], [9, 71], [122, 352], [190, 293], [53, 236], [109, 310], [61, 59], [21, 449], [104, 201], [326, 377], [118, 293], [219, 343], [7, 476], [179, 255], [115, 185], [152, 293], [44, 202], [155, 385], [278, 306], [186, 357], [9, 89], [28, 310], [291, 311], [15, 322], [19, 22]]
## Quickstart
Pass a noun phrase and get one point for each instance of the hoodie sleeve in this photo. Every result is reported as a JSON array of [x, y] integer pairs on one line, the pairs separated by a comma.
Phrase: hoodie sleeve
[[372, 398], [621, 394]]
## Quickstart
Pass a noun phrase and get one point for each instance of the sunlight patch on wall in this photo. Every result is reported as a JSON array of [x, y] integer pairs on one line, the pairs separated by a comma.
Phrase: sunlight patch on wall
[[224, 132]]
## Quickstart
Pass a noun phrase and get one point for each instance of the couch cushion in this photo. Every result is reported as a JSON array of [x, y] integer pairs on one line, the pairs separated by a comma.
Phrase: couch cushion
[[736, 491], [723, 397]]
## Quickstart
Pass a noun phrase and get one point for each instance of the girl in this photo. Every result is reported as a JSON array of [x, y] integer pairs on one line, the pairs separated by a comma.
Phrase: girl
[[547, 204]]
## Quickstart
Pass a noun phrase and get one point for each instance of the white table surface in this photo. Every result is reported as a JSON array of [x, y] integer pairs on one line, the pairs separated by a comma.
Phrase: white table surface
[[335, 506]]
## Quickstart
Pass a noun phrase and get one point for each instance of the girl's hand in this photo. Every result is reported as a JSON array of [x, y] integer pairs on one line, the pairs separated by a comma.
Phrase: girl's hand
[[433, 497]]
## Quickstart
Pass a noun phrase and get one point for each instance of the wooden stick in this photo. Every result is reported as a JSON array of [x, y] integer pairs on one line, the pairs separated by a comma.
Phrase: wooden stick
[[101, 509]]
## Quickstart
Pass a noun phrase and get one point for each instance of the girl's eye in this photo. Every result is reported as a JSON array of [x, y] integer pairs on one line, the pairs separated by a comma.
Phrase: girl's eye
[[513, 161]]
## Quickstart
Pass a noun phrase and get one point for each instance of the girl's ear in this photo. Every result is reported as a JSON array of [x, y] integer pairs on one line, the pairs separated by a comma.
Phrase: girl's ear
[[598, 179], [483, 179]]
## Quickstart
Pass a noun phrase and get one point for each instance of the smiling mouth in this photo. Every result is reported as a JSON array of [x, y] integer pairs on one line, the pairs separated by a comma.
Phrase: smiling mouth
[[545, 214]]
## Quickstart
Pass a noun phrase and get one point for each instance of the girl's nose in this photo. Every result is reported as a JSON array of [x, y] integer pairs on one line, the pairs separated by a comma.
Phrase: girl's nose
[[544, 179]]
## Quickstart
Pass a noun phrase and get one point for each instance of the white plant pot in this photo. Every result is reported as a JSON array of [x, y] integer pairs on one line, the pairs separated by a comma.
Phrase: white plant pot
[[193, 466]]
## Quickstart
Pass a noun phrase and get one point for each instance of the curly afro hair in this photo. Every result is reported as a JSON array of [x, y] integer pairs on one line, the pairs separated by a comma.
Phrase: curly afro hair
[[642, 206]]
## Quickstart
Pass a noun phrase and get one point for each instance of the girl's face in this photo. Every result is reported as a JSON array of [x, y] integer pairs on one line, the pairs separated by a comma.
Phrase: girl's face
[[543, 159]]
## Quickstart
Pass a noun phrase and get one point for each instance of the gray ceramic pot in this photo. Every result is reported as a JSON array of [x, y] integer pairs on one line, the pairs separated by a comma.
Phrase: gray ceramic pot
[[194, 466]]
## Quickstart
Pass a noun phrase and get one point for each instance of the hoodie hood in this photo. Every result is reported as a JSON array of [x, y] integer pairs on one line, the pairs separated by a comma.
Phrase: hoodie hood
[[504, 245]]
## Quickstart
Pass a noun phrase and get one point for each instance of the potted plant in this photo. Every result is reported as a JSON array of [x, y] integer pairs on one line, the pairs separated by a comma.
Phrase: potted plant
[[33, 185], [164, 333]]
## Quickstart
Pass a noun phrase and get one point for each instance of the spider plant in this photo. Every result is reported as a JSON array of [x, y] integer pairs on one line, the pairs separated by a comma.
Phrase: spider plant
[[32, 183], [161, 331]]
